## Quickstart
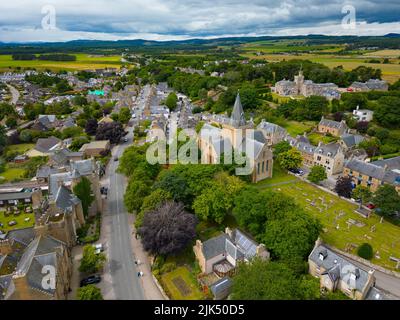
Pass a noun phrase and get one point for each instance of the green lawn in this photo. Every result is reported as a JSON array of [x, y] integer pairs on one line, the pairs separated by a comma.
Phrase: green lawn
[[20, 148], [181, 285], [385, 240], [295, 128], [279, 176], [20, 219], [315, 138], [11, 174]]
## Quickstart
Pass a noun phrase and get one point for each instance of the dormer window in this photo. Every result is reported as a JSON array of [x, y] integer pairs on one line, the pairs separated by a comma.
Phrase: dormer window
[[320, 151], [329, 154]]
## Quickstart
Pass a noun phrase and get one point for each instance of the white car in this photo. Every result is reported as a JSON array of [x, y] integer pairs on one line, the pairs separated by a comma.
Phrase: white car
[[99, 248]]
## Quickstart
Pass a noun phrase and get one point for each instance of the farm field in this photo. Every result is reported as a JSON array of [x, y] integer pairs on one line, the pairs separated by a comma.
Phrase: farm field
[[325, 54], [343, 227], [83, 61]]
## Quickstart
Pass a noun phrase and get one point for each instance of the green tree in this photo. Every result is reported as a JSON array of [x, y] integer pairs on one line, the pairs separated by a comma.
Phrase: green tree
[[152, 202], [253, 208], [365, 251], [171, 101], [387, 200], [281, 147], [317, 174], [387, 112], [216, 201], [362, 193], [83, 190], [91, 261], [263, 280], [124, 115], [292, 237], [89, 292], [291, 159], [135, 192]]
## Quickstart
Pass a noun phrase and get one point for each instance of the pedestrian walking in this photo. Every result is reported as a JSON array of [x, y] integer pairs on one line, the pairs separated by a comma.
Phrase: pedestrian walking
[[138, 274]]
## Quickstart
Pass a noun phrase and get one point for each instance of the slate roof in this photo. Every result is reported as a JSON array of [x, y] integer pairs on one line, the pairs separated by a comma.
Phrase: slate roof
[[392, 163], [329, 150], [332, 124], [237, 117], [46, 145], [214, 246], [83, 167], [62, 157], [351, 140], [65, 199], [337, 266], [373, 170], [270, 127], [238, 246], [55, 180], [45, 172], [15, 196]]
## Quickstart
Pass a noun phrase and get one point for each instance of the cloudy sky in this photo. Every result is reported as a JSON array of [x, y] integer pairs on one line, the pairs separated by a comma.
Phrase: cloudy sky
[[63, 20]]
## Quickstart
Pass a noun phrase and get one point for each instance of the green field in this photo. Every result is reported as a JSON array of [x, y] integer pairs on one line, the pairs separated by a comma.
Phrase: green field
[[385, 240], [19, 148], [279, 176], [83, 61], [181, 285]]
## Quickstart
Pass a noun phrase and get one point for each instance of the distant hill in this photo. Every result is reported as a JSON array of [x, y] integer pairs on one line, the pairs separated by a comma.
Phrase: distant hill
[[391, 41]]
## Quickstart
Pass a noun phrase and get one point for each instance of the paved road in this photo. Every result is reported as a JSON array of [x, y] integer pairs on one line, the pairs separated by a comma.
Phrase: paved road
[[126, 284], [15, 94]]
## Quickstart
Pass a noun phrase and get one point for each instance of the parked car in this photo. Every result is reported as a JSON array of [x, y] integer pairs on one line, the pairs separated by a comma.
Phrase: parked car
[[99, 248], [116, 158], [90, 280], [12, 223], [125, 139], [371, 206], [297, 171]]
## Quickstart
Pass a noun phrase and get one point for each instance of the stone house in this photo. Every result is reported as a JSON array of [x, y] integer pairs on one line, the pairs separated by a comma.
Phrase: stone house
[[338, 273], [26, 259], [363, 114], [221, 254], [334, 128], [96, 148], [374, 174], [272, 132], [330, 156]]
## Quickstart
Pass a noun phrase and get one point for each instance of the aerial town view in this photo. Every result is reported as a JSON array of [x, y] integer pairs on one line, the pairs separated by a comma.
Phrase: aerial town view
[[195, 150]]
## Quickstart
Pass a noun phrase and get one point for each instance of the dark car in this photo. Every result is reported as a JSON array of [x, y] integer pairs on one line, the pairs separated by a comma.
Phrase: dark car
[[90, 280], [297, 171], [115, 158]]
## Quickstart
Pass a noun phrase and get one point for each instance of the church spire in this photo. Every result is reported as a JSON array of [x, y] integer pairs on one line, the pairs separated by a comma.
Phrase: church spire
[[237, 116]]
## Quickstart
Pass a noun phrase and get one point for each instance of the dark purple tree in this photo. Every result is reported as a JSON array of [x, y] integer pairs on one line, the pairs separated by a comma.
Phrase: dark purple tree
[[168, 229], [362, 126], [344, 187], [338, 116], [91, 127], [112, 131]]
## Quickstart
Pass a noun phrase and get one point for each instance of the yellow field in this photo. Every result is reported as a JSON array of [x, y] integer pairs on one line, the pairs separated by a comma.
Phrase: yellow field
[[384, 54], [84, 61]]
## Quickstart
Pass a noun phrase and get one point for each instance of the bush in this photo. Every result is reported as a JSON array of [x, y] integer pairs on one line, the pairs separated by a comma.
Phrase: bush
[[168, 267], [365, 251]]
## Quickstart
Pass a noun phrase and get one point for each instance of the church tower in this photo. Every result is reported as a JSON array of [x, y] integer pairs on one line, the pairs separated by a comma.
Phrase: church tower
[[299, 81]]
